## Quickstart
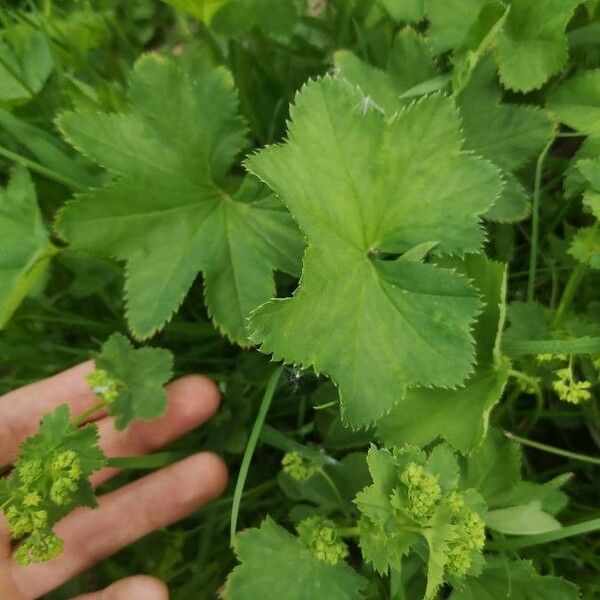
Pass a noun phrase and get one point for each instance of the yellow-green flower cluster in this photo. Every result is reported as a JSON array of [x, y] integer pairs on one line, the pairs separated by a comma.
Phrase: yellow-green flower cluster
[[469, 531], [323, 540], [40, 546], [420, 494], [66, 471], [40, 488], [103, 385], [298, 467], [568, 388]]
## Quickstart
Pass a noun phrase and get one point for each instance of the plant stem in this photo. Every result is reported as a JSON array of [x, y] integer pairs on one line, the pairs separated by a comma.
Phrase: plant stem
[[568, 294], [535, 219], [334, 488], [548, 536], [250, 447], [349, 531], [34, 166], [87, 413], [552, 449]]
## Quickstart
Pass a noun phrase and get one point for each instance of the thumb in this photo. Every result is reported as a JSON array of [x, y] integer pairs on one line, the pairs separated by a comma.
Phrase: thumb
[[140, 587]]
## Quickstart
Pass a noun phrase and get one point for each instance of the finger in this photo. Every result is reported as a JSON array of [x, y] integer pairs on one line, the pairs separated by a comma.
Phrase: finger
[[22, 409], [139, 587], [192, 401], [123, 517]]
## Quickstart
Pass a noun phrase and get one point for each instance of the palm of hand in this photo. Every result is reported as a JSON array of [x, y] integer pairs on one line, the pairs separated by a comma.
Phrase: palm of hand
[[126, 514]]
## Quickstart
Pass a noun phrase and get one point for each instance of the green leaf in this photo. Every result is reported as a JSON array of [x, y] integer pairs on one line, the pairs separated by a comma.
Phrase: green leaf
[[532, 47], [517, 507], [493, 468], [25, 67], [382, 551], [203, 10], [26, 248], [459, 416], [141, 374], [359, 184], [576, 102], [585, 246], [410, 64], [275, 17], [523, 519], [509, 135], [504, 578], [408, 11], [450, 22], [170, 214], [38, 469], [276, 564]]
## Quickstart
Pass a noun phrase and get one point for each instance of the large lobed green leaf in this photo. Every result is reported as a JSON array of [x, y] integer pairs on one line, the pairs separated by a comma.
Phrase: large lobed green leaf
[[26, 248], [171, 212], [359, 184], [509, 135]]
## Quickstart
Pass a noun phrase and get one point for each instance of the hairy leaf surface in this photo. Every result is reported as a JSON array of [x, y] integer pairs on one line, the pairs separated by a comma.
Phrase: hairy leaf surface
[[293, 572], [141, 374], [358, 184], [459, 416], [171, 212]]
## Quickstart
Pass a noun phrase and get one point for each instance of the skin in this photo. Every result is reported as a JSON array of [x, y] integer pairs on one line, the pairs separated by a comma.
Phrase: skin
[[136, 509]]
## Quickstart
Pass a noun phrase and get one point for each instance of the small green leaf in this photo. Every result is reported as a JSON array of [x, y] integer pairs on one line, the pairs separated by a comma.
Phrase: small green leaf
[[276, 564], [522, 519], [505, 578], [25, 67], [510, 135], [139, 374], [532, 45], [26, 249], [451, 22], [576, 102]]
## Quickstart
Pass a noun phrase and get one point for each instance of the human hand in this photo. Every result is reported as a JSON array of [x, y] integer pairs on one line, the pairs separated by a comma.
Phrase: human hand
[[126, 514]]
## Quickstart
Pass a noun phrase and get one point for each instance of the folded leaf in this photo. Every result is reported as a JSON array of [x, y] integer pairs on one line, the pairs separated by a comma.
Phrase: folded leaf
[[26, 248]]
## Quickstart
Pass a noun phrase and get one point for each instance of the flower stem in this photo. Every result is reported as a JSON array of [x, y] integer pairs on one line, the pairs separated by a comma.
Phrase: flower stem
[[87, 413]]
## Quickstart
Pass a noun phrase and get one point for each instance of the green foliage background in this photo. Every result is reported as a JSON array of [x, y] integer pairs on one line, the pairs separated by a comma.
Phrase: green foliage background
[[526, 89]]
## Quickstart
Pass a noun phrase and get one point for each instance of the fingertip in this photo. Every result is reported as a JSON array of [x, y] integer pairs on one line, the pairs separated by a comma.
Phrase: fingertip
[[219, 474], [138, 587], [206, 477], [196, 393]]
